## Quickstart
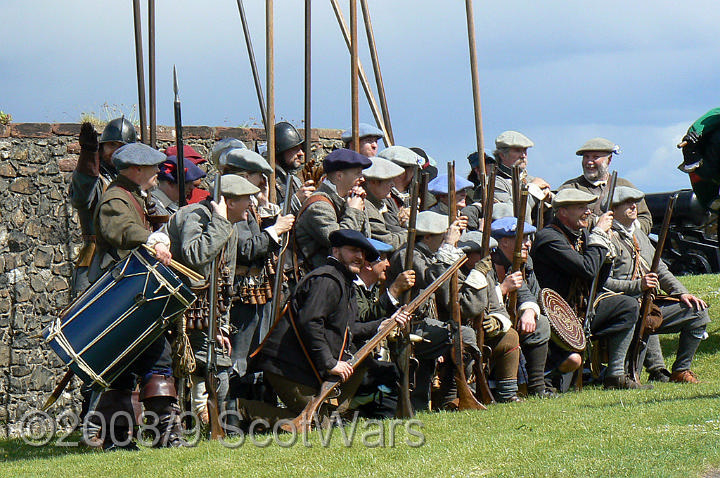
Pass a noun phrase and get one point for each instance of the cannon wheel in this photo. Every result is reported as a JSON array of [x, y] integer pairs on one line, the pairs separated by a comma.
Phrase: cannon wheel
[[691, 263]]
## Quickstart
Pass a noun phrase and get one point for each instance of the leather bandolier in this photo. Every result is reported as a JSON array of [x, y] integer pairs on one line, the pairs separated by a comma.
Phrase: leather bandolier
[[197, 316]]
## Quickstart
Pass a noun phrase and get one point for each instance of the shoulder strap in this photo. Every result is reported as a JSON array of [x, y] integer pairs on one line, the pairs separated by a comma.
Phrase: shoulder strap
[[138, 208], [311, 200]]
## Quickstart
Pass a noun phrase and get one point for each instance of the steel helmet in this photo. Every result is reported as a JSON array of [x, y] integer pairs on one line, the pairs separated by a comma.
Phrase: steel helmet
[[286, 137], [120, 130]]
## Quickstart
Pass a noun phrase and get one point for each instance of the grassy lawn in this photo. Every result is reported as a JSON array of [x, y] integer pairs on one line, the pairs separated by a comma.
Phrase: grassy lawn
[[673, 430]]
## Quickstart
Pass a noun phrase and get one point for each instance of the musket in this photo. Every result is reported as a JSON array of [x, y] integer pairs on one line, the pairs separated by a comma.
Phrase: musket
[[360, 71], [466, 399], [211, 382], [642, 332], [604, 207], [489, 201], [376, 69], [482, 387], [475, 88], [179, 143], [516, 189], [304, 420], [270, 79], [253, 64], [275, 307], [403, 345], [151, 72], [518, 261], [140, 69], [422, 194]]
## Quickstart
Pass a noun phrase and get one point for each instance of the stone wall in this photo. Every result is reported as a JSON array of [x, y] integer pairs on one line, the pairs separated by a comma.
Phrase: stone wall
[[39, 240]]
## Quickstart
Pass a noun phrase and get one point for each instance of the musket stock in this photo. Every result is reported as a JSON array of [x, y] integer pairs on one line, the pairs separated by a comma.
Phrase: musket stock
[[303, 421], [403, 345], [642, 331], [466, 399], [482, 387], [517, 259], [211, 384]]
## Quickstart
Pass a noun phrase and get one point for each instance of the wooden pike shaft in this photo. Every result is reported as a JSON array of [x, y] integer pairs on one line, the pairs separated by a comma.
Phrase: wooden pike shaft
[[270, 79], [253, 64], [475, 85], [354, 76], [151, 73], [140, 70], [361, 71], [376, 69], [308, 78]]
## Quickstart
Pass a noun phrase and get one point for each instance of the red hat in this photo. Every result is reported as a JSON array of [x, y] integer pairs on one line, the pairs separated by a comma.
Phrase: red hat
[[188, 153]]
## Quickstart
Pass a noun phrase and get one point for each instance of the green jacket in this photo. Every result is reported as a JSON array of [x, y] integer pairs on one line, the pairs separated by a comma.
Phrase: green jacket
[[120, 224]]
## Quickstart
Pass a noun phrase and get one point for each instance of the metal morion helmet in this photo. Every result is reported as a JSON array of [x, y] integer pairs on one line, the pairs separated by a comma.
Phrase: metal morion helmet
[[286, 137], [119, 129]]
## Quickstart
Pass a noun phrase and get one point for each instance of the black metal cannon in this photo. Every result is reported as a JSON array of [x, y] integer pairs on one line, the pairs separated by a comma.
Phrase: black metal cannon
[[692, 243]]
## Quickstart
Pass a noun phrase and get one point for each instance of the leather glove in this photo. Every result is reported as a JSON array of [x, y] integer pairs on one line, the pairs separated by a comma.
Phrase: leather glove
[[491, 325], [88, 137]]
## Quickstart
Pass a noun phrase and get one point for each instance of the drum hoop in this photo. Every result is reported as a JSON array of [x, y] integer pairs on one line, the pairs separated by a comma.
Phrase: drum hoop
[[76, 358]]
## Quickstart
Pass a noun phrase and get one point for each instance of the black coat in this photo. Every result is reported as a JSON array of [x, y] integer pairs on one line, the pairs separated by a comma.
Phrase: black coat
[[324, 308], [559, 266]]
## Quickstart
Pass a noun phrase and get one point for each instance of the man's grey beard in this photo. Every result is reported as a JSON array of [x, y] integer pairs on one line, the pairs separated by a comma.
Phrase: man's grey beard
[[599, 174]]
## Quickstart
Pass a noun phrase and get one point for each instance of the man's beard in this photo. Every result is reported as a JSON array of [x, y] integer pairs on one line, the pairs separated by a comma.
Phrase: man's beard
[[598, 174]]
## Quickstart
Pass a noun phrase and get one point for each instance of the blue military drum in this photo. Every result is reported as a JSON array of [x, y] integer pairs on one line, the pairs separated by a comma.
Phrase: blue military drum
[[104, 330]]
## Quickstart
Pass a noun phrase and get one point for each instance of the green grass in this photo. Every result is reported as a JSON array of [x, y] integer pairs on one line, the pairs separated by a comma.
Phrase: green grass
[[673, 430]]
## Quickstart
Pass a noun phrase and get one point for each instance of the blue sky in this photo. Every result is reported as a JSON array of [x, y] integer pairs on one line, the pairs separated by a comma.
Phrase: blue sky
[[637, 73]]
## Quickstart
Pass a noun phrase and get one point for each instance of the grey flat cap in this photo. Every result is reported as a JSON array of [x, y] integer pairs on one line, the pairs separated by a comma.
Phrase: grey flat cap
[[471, 241], [364, 130], [247, 160], [236, 186], [513, 139], [598, 144], [222, 146], [402, 156], [566, 197], [502, 209], [136, 154], [430, 222], [382, 169], [626, 193]]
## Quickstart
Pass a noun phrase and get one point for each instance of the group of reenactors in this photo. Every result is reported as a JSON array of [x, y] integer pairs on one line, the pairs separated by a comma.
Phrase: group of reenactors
[[347, 276]]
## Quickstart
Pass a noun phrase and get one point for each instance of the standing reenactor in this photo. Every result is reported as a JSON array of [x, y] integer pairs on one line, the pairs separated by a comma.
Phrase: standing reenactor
[[474, 176], [166, 195], [289, 160], [92, 175], [122, 225], [532, 326], [339, 203], [567, 258], [681, 311], [369, 137], [313, 341], [200, 191], [378, 184], [258, 232], [199, 233], [597, 155], [398, 205], [511, 150]]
